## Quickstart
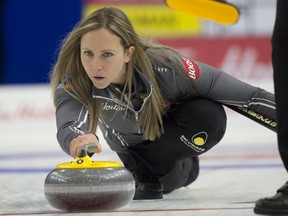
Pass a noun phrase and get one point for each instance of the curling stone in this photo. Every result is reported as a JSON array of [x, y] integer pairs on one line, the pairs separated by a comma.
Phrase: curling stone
[[86, 185]]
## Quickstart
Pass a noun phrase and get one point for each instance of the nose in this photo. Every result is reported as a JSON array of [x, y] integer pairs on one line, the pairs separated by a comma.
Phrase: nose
[[97, 65]]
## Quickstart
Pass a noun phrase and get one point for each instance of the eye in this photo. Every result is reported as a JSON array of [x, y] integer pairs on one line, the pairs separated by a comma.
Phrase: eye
[[107, 54], [88, 53]]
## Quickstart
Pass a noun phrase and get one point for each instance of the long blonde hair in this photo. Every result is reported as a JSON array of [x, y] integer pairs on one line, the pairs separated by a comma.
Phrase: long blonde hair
[[80, 86]]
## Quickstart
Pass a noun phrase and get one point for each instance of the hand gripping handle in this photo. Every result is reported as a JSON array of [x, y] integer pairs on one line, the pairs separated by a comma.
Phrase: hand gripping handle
[[87, 149]]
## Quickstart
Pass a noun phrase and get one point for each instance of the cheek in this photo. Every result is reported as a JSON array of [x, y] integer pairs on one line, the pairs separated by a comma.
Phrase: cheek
[[82, 58], [83, 62], [85, 65], [120, 63], [114, 65]]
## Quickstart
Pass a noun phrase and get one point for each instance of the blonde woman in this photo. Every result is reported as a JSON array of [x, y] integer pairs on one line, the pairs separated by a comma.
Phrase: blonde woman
[[157, 109]]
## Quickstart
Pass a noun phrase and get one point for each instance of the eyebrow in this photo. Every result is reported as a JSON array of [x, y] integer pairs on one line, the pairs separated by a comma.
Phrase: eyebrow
[[105, 50], [108, 50]]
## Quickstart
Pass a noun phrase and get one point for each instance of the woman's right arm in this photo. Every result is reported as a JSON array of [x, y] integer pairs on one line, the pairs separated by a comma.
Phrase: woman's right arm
[[72, 122]]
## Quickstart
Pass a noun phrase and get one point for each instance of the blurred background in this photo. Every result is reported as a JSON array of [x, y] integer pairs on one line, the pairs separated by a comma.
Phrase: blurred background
[[32, 31]]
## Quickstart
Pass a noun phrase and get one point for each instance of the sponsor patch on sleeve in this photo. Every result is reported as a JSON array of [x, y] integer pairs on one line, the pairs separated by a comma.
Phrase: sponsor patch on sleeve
[[60, 85], [65, 86], [191, 68]]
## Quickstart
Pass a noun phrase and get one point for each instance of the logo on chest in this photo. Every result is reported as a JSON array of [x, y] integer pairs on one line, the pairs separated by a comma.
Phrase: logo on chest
[[115, 107]]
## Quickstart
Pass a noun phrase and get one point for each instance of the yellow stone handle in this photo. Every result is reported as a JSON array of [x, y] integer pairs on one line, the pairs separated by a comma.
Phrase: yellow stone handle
[[87, 162], [84, 161]]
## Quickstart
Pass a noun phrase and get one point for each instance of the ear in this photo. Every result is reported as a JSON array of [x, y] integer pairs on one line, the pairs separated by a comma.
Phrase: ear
[[129, 53]]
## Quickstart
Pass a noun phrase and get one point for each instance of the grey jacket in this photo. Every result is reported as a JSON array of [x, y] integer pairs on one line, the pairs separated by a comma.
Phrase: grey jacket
[[118, 123]]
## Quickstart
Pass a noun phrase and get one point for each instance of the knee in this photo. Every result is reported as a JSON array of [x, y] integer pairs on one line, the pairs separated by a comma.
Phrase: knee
[[203, 123]]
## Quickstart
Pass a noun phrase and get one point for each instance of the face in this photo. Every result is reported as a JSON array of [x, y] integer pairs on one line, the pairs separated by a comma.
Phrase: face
[[104, 58]]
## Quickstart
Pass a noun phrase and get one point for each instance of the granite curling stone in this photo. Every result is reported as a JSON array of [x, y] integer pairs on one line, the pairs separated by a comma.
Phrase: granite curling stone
[[86, 185]]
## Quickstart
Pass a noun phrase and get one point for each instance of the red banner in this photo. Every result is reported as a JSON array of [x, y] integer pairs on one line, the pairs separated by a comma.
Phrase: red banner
[[245, 57]]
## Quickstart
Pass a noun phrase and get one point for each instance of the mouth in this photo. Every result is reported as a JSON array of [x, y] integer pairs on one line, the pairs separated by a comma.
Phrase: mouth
[[98, 77]]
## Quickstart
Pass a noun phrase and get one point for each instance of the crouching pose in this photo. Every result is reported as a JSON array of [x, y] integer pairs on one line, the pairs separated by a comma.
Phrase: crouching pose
[[156, 108]]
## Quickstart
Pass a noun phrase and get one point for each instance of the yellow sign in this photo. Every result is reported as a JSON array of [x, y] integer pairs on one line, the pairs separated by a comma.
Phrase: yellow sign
[[156, 20]]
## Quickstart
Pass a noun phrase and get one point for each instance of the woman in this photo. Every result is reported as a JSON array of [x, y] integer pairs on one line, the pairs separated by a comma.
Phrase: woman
[[157, 109]]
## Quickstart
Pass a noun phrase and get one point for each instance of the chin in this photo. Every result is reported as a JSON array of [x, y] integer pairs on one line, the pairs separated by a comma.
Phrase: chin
[[100, 86]]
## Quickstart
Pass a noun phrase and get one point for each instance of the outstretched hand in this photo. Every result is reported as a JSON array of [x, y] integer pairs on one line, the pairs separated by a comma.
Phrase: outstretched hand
[[77, 143]]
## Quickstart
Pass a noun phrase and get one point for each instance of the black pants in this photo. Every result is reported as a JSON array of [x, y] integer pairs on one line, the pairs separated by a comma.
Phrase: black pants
[[190, 130], [280, 67]]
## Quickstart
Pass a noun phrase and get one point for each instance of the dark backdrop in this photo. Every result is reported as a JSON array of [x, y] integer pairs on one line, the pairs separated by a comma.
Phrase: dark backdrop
[[31, 31]]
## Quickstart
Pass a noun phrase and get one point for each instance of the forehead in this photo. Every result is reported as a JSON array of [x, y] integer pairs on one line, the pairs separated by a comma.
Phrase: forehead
[[100, 38]]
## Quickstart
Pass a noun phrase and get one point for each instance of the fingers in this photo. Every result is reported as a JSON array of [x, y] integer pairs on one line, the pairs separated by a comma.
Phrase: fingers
[[77, 143], [99, 150]]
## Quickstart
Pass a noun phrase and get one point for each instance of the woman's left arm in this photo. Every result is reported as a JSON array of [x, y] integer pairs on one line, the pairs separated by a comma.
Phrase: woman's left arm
[[217, 85]]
